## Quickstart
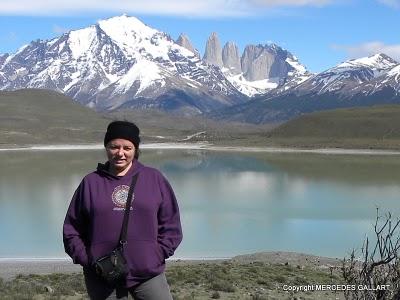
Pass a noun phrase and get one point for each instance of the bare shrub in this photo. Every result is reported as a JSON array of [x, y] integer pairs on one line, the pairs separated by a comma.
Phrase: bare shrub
[[376, 275]]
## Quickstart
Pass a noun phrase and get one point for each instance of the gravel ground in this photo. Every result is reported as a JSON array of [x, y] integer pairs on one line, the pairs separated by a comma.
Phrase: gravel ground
[[10, 268], [291, 258]]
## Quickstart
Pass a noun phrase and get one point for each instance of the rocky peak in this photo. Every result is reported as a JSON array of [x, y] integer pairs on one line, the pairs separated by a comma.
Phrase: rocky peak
[[213, 52], [183, 40], [263, 62], [120, 63], [384, 59], [377, 62], [231, 58], [3, 58]]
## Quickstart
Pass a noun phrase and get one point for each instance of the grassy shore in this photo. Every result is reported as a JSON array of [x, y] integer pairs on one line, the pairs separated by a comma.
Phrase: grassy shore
[[259, 276], [41, 117], [376, 127]]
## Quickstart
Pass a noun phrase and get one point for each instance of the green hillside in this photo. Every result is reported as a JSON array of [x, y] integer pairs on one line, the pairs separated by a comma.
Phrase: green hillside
[[177, 128], [33, 116], [368, 127]]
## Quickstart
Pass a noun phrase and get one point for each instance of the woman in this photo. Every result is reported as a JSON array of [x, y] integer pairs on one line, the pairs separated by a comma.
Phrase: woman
[[94, 219]]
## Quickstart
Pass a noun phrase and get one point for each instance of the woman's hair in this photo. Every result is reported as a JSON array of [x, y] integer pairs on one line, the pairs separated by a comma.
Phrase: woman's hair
[[137, 152]]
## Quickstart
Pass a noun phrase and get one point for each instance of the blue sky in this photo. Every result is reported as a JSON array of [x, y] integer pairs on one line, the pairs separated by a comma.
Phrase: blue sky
[[321, 33]]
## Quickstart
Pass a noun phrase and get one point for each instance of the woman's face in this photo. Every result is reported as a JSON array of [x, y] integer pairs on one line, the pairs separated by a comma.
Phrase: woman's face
[[120, 153]]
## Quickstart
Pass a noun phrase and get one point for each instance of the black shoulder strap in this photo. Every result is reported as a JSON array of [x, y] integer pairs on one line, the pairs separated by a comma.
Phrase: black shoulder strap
[[124, 230]]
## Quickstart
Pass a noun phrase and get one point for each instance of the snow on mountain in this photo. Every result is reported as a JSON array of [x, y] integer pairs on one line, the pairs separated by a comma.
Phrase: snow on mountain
[[378, 63], [392, 78], [293, 61], [297, 75], [147, 73], [366, 81], [80, 41], [387, 85], [127, 32], [347, 76], [265, 68], [123, 63], [183, 40], [252, 88], [395, 73], [115, 61]]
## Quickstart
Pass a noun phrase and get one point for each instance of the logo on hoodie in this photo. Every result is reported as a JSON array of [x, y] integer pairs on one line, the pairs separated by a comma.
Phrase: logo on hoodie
[[119, 196]]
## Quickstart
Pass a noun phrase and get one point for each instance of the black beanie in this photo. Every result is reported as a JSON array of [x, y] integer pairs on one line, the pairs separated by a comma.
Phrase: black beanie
[[122, 130]]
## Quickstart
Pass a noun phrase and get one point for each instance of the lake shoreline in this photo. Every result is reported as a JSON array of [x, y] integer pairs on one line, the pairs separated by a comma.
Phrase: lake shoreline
[[11, 267], [255, 276], [209, 147]]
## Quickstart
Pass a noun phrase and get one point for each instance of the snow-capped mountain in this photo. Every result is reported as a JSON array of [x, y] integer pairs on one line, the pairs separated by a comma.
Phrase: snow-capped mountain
[[387, 85], [115, 62], [347, 76], [122, 63], [290, 74], [260, 68], [358, 82], [183, 40], [392, 77]]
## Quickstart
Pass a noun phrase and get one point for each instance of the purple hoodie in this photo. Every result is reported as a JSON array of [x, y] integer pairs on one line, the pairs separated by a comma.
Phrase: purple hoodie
[[94, 219]]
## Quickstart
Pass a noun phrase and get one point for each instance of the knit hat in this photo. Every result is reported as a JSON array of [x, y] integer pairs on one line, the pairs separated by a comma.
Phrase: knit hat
[[122, 130]]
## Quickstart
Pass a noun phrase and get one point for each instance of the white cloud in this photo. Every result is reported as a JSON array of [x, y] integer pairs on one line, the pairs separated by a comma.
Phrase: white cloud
[[391, 3], [370, 48], [204, 8]]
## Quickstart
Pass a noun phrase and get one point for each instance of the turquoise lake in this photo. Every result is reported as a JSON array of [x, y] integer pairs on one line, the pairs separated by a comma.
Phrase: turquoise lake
[[231, 203]]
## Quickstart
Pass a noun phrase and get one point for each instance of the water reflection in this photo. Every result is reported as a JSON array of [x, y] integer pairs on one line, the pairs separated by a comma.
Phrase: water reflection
[[231, 203]]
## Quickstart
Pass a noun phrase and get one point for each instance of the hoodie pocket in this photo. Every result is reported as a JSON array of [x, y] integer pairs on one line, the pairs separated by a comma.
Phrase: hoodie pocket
[[144, 257]]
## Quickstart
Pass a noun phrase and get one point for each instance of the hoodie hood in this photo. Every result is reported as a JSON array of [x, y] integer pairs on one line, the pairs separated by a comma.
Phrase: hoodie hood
[[103, 169]]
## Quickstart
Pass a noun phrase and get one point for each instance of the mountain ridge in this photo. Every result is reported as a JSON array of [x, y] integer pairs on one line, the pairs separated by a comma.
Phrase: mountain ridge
[[117, 60], [362, 82], [121, 59], [121, 63]]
